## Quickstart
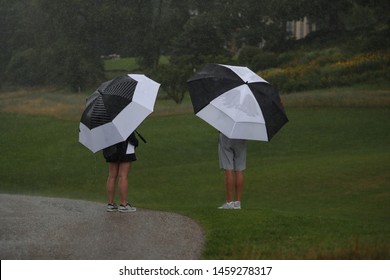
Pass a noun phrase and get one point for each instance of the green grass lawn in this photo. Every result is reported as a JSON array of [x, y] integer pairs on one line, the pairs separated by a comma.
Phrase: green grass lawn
[[129, 63], [123, 66], [319, 189]]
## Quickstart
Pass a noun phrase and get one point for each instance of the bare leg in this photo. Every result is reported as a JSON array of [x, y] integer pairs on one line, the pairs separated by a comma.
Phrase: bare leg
[[239, 184], [124, 169], [229, 185], [113, 170]]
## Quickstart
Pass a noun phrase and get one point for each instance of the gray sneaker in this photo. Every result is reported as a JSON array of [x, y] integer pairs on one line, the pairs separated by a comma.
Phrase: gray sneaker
[[112, 207], [227, 205], [126, 208], [237, 204]]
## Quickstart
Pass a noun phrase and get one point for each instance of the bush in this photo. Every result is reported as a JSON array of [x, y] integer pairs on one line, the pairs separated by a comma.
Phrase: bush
[[56, 65], [246, 54], [80, 72], [23, 68], [173, 77], [330, 69], [264, 60], [257, 59]]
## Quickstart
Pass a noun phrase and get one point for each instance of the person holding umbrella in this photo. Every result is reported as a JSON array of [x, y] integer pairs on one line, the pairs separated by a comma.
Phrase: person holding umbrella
[[110, 118], [232, 159], [120, 156], [242, 106]]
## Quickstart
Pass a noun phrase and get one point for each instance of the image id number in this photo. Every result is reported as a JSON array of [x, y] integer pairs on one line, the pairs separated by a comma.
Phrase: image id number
[[242, 270]]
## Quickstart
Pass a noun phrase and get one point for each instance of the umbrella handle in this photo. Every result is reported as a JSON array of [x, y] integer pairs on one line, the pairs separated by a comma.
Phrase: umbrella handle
[[140, 136]]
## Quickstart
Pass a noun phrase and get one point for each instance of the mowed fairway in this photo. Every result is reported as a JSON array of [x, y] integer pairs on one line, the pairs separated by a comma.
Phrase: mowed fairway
[[319, 190]]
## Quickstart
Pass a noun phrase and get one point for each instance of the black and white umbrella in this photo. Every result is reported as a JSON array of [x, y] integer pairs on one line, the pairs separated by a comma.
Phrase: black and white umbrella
[[237, 102], [116, 109]]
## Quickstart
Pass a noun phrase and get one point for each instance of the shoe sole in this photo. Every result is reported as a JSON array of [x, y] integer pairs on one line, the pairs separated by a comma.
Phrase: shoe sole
[[126, 211]]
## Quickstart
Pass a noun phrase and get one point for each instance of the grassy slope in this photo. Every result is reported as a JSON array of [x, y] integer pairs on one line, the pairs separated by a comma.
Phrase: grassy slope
[[320, 189]]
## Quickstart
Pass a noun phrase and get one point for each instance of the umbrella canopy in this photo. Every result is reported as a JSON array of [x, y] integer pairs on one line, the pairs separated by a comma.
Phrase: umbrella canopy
[[116, 109], [237, 102]]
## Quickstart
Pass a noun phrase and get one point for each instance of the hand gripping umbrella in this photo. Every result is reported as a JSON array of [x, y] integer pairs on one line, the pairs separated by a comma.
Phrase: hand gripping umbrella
[[237, 102], [116, 109]]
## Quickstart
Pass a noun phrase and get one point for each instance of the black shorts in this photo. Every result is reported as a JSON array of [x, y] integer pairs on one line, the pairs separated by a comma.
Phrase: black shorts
[[121, 158], [117, 153]]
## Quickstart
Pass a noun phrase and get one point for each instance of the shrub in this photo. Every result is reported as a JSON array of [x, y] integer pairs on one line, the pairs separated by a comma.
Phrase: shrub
[[23, 68], [264, 60], [173, 77], [329, 70], [63, 66], [257, 59], [246, 54]]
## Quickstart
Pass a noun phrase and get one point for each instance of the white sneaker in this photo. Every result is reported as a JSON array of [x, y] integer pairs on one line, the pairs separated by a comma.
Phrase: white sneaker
[[112, 207], [227, 205], [126, 208], [237, 205]]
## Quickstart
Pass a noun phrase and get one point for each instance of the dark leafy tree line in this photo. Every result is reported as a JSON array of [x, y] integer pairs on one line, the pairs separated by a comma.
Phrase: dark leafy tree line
[[60, 42]]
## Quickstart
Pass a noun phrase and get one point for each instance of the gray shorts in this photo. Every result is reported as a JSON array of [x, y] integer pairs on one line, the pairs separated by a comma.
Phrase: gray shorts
[[232, 153]]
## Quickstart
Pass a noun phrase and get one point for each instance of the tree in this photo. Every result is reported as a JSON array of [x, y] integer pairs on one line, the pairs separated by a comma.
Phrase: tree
[[73, 28], [328, 15], [156, 23], [200, 41], [11, 14], [379, 8], [173, 77], [52, 42], [60, 42]]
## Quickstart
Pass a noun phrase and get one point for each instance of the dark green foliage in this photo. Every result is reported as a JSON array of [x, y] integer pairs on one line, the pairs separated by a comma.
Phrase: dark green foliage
[[173, 77], [257, 59], [53, 42]]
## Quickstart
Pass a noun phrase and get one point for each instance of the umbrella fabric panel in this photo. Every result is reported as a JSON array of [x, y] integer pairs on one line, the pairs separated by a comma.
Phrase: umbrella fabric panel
[[98, 113], [271, 107], [100, 137], [210, 82], [92, 98], [108, 101], [232, 129], [250, 131], [215, 79], [240, 105], [130, 118], [202, 92], [95, 114], [141, 106], [122, 86], [245, 74], [264, 91], [146, 91], [216, 71], [118, 94]]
